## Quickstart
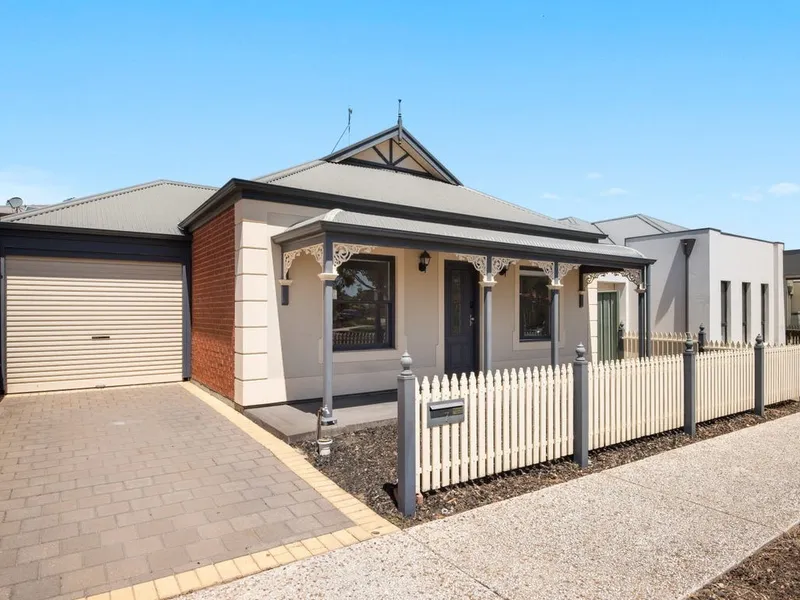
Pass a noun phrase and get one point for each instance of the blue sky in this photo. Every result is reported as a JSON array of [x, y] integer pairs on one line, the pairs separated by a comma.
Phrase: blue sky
[[688, 111]]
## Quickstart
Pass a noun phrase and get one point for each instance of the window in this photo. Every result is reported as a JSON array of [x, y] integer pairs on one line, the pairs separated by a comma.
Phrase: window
[[764, 304], [534, 305], [745, 312], [725, 308], [363, 305]]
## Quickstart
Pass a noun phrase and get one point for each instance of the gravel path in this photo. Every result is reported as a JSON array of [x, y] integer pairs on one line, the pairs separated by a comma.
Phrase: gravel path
[[657, 528]]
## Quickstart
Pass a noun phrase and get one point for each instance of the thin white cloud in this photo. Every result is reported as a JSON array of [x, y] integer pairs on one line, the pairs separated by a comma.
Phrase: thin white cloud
[[594, 175], [754, 195], [615, 191], [34, 186], [784, 189], [549, 196]]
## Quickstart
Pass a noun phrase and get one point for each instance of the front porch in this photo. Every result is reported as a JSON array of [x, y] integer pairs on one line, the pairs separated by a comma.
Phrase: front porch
[[459, 299]]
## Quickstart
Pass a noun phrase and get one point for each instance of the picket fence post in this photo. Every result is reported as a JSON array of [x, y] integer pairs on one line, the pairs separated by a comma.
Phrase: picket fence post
[[580, 408], [689, 388], [759, 375], [701, 339], [406, 493]]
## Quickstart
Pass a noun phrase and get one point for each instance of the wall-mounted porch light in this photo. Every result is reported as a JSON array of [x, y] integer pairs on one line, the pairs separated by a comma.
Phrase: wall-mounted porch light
[[424, 261], [503, 271]]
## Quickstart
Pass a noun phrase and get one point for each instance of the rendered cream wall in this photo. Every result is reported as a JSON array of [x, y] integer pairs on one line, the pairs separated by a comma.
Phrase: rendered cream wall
[[258, 369], [508, 350]]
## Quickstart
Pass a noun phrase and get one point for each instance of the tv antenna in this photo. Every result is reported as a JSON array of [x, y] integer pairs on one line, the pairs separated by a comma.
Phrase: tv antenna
[[346, 130]]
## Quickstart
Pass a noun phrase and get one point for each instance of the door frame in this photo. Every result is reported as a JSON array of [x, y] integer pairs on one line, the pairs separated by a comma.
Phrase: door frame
[[477, 323], [616, 294]]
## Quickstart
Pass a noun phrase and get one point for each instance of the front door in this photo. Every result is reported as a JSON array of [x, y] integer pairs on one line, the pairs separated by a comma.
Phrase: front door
[[607, 324], [461, 323]]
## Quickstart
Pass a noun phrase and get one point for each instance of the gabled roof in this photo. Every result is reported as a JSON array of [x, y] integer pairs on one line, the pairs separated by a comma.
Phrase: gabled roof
[[154, 208], [409, 191], [621, 228], [409, 150]]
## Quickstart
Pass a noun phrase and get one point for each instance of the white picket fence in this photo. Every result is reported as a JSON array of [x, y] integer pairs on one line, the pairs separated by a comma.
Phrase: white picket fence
[[782, 373], [725, 383], [522, 417], [669, 344], [514, 419], [634, 398]]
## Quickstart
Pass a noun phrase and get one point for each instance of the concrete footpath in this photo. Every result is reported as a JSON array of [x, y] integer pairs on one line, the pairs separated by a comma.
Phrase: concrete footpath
[[658, 528]]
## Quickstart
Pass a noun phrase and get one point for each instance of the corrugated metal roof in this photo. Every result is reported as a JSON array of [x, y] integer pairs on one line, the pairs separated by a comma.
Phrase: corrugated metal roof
[[622, 228], [401, 189], [156, 207], [377, 222]]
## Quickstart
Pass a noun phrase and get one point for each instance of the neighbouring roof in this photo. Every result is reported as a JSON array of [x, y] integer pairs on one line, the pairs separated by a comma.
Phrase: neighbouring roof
[[386, 227], [153, 208], [402, 189], [621, 228]]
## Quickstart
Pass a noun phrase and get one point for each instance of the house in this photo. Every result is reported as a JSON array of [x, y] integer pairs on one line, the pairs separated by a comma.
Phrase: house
[[306, 283], [732, 285], [791, 265]]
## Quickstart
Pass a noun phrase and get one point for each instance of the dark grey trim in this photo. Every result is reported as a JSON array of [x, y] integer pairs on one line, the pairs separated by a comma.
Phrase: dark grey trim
[[401, 239], [689, 389], [10, 227], [580, 408], [406, 440], [392, 167], [760, 376], [688, 246], [390, 260], [387, 134], [255, 190], [648, 315], [186, 275]]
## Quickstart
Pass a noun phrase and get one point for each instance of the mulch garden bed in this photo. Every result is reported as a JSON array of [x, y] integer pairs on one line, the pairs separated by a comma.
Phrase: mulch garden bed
[[363, 463], [772, 573]]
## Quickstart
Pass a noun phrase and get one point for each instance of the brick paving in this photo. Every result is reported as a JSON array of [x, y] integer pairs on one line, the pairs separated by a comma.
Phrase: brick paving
[[104, 489]]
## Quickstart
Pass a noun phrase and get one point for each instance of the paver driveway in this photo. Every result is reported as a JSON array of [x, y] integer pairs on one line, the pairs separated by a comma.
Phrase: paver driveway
[[108, 488]]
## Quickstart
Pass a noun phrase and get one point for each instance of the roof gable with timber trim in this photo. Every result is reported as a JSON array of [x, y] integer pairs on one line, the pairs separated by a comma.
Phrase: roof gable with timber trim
[[394, 149]]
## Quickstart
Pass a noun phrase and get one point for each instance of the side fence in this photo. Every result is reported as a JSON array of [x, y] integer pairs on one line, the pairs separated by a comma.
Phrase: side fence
[[453, 430], [669, 344]]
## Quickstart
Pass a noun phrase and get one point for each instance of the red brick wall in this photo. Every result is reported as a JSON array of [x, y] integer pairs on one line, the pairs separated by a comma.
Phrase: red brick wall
[[213, 303]]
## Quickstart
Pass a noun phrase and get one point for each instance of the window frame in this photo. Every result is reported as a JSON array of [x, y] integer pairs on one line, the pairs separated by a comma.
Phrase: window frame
[[745, 311], [391, 304], [764, 310], [725, 294], [524, 271]]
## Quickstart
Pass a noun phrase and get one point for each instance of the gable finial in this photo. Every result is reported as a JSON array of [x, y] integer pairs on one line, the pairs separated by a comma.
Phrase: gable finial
[[400, 118]]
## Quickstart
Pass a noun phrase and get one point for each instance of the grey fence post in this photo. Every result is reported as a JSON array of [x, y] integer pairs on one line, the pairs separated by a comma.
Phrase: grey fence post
[[621, 341], [406, 493], [689, 398], [580, 408], [701, 339], [759, 376]]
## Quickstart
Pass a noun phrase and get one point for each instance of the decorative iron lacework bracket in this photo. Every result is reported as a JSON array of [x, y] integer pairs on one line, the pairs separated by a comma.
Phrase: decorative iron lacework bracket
[[499, 263], [632, 275], [546, 266], [344, 252], [290, 255], [479, 262], [564, 268]]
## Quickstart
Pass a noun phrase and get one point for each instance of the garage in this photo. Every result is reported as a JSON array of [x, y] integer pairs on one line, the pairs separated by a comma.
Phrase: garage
[[76, 323]]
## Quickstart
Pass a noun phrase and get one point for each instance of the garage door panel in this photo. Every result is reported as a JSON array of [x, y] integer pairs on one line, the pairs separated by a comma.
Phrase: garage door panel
[[60, 310]]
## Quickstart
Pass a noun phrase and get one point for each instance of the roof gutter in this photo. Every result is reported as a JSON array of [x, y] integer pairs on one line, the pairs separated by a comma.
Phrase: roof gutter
[[318, 227], [256, 190], [32, 228]]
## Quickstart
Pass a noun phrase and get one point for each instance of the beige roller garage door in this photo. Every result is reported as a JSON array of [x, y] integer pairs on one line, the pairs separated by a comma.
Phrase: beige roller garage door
[[87, 323]]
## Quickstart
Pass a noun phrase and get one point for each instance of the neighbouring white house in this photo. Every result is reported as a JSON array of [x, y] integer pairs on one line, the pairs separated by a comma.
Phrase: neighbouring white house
[[730, 284]]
